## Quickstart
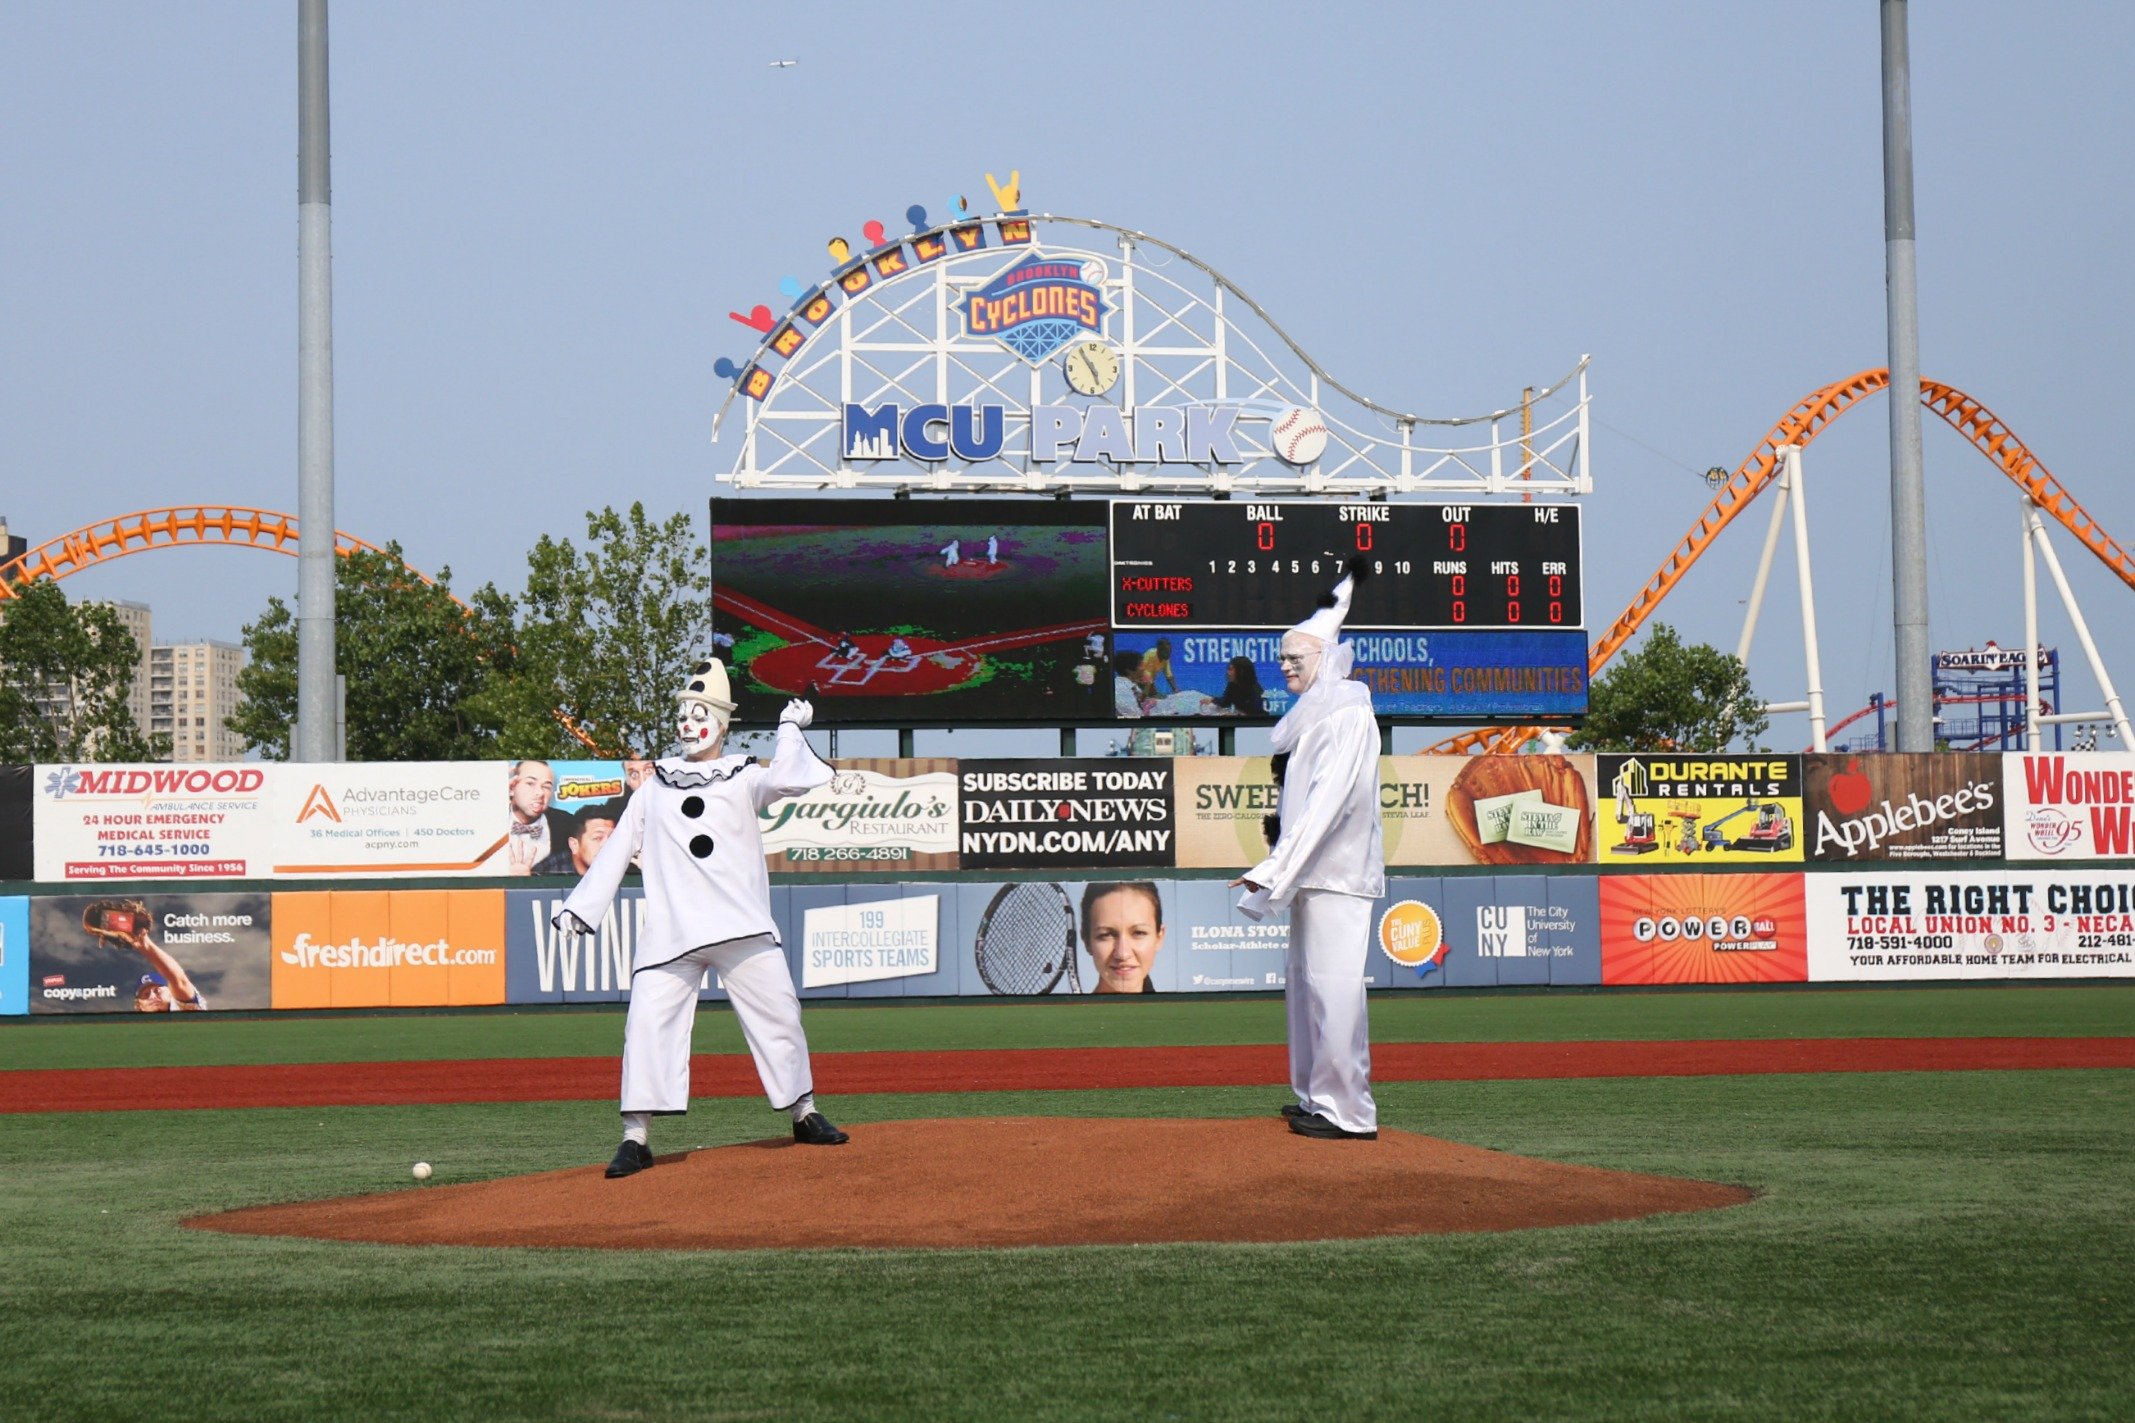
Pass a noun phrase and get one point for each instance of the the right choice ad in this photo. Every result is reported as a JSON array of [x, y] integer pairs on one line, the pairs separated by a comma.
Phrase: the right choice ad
[[2050, 922]]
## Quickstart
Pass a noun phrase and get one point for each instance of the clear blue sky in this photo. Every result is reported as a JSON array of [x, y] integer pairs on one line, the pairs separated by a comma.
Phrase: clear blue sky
[[543, 211]]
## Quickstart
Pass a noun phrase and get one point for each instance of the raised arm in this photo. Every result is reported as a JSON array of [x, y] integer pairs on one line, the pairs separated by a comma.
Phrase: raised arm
[[794, 765]]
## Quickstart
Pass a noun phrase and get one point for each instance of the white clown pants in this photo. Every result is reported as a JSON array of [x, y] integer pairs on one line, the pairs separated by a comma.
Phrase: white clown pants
[[663, 1014], [1330, 1039]]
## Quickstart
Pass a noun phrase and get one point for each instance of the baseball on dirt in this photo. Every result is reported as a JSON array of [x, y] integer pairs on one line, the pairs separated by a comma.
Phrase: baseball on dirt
[[422, 1170], [1297, 435]]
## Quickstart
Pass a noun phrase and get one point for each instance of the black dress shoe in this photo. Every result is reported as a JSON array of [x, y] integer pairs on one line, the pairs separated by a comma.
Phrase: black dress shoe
[[815, 1130], [1292, 1111], [1312, 1124], [630, 1158]]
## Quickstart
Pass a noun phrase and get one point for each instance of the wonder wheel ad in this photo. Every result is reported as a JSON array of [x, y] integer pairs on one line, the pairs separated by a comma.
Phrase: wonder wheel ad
[[1663, 809], [2070, 807]]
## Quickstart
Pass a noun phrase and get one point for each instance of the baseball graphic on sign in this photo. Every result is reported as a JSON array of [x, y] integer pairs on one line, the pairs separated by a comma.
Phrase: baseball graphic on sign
[[1297, 436]]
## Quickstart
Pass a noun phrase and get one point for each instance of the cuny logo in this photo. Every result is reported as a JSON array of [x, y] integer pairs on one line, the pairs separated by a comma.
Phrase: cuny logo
[[1036, 307]]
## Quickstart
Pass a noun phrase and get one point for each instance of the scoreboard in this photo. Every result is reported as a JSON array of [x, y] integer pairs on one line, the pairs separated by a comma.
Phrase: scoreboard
[[1238, 564], [1141, 612]]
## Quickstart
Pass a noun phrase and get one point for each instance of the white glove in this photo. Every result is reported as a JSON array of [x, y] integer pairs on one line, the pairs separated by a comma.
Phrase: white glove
[[566, 922], [797, 713]]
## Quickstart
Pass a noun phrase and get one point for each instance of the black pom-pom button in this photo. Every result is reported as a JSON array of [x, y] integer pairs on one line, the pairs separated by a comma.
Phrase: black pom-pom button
[[693, 807], [701, 847]]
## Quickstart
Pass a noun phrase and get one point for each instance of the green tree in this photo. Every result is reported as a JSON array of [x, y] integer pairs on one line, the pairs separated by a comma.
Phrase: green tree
[[415, 661], [66, 673], [1671, 697], [605, 635]]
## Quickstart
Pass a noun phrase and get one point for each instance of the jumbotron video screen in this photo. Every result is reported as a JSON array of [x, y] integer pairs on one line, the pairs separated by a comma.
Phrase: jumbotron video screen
[[890, 612]]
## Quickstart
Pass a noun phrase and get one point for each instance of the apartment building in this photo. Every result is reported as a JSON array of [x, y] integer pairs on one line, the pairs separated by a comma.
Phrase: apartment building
[[192, 689]]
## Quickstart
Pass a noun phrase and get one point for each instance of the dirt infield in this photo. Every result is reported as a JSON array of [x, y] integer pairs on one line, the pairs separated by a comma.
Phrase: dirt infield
[[571, 1079], [1006, 1181]]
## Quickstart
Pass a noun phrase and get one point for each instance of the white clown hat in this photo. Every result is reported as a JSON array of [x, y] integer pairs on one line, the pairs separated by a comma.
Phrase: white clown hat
[[708, 684], [1326, 623]]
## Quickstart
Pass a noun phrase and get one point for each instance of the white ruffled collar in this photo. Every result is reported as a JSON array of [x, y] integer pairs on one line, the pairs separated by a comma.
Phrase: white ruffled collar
[[686, 775]]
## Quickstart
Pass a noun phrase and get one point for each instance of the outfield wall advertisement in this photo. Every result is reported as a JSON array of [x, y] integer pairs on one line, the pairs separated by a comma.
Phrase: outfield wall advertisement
[[154, 953], [1434, 810], [883, 816], [388, 948], [2059, 922], [2067, 807], [1738, 928], [14, 956], [1936, 805], [1680, 810], [266, 819], [186, 951], [900, 818], [1051, 815]]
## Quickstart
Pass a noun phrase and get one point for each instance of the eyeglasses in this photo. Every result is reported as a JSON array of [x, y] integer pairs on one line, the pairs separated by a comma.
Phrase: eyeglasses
[[1294, 659]]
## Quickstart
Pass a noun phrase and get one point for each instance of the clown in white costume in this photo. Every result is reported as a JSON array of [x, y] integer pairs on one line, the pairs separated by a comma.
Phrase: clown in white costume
[[1326, 865], [692, 827]]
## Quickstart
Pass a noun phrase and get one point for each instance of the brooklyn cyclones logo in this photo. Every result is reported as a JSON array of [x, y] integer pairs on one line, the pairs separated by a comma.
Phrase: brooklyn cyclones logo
[[1038, 306]]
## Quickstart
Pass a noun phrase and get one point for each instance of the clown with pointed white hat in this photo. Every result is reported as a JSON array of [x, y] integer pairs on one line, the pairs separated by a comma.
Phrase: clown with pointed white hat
[[693, 829], [1326, 865]]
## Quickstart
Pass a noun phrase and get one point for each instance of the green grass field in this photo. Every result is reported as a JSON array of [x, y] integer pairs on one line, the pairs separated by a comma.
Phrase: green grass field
[[1926, 1245]]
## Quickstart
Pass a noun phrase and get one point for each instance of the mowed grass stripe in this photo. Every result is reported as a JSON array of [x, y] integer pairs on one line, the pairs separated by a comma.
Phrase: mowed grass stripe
[[1932, 1246], [188, 1040]]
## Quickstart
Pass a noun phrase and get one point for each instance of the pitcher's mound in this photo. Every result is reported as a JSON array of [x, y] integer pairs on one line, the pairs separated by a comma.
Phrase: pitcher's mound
[[1001, 1181]]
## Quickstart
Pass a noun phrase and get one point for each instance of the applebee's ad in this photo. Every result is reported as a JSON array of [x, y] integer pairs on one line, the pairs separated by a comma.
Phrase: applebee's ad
[[2039, 923], [1943, 805]]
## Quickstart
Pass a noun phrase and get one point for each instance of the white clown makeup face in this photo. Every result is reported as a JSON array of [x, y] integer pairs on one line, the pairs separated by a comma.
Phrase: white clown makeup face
[[699, 728], [1299, 659]]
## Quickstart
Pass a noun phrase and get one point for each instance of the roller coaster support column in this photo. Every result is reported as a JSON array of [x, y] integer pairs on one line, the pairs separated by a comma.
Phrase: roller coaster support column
[[314, 740], [1792, 455], [2031, 631], [1908, 487], [2113, 710], [1764, 570]]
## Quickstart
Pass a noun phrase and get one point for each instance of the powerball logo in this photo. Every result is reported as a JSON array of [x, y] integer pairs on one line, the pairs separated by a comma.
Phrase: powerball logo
[[1036, 307]]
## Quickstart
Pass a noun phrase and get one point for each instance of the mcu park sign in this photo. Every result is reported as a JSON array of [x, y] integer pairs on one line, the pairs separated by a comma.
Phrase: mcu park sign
[[1037, 353], [1081, 434]]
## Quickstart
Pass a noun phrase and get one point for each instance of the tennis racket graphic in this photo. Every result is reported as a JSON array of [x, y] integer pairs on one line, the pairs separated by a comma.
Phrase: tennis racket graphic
[[1026, 941]]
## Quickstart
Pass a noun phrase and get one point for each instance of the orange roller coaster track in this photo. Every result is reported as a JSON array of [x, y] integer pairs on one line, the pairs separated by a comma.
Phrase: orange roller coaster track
[[188, 526], [1799, 426], [180, 527]]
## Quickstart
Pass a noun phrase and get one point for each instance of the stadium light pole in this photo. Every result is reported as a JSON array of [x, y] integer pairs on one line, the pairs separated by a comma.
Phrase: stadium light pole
[[1908, 485], [315, 737]]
